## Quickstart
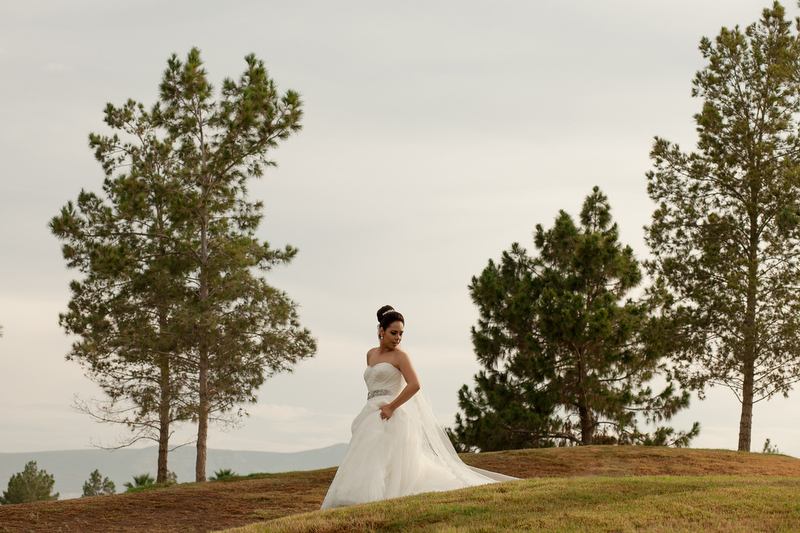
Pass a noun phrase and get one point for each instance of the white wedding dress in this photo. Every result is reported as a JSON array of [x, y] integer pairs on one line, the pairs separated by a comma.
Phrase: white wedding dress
[[407, 454]]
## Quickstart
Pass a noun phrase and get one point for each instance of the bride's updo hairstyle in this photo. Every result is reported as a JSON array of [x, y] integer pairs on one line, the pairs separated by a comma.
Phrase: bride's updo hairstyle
[[387, 316]]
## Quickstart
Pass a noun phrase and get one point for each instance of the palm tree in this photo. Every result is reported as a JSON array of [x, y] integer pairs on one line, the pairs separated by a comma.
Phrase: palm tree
[[144, 480], [223, 473]]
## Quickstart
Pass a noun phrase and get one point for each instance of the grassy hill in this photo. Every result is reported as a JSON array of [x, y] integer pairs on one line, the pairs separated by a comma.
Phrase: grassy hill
[[595, 488], [650, 503]]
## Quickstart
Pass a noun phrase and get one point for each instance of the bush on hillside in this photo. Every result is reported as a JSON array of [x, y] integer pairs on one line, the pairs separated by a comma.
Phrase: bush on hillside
[[770, 448], [97, 486], [144, 480], [30, 485], [222, 474]]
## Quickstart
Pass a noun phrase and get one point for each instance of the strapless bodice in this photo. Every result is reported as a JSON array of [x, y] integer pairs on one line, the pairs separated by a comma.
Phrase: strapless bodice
[[383, 379]]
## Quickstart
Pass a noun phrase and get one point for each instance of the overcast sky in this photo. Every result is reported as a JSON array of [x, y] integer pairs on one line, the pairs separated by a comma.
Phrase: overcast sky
[[435, 135]]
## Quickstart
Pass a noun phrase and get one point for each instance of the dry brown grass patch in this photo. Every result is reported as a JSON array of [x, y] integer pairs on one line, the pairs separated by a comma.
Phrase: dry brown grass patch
[[618, 461]]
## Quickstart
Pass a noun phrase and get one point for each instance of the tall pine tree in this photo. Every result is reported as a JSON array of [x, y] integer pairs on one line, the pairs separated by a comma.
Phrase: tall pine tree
[[237, 329], [124, 308], [726, 233]]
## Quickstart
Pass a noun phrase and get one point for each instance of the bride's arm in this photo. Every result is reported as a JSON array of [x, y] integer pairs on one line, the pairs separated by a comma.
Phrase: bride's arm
[[412, 385]]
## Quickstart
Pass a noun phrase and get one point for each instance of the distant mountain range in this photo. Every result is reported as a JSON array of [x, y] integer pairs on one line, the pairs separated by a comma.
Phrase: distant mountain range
[[71, 468]]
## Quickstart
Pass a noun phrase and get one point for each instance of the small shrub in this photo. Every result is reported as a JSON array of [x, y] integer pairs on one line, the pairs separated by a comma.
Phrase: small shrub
[[97, 486], [222, 474], [144, 480], [770, 448]]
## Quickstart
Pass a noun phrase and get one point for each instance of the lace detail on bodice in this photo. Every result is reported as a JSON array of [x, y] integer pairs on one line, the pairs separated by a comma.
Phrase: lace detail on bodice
[[383, 379]]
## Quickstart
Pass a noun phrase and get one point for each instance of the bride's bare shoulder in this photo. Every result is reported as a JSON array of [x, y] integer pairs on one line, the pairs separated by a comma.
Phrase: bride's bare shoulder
[[400, 355]]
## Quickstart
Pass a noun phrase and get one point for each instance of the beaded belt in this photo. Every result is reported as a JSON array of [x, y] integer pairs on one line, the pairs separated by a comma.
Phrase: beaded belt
[[378, 392]]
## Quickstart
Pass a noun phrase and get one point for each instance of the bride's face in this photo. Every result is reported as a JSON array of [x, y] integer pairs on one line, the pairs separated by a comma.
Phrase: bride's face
[[393, 334]]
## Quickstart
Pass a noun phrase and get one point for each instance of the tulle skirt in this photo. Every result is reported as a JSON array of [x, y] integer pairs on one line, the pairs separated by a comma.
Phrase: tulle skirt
[[397, 457]]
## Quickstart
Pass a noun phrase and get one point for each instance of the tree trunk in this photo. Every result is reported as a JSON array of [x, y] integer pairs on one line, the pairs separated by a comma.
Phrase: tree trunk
[[163, 416], [202, 386], [164, 402], [202, 415], [203, 348], [587, 427], [750, 332], [746, 420]]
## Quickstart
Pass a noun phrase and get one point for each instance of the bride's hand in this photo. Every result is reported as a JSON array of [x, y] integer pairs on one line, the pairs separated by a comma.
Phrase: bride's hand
[[386, 412]]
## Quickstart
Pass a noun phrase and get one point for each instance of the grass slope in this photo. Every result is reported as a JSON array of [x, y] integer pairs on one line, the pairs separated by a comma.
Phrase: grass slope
[[594, 488], [188, 507], [651, 503]]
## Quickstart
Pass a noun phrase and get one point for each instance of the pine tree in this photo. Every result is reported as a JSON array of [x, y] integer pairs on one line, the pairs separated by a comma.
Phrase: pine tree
[[96, 485], [172, 313], [726, 231], [30, 485], [124, 308], [237, 328], [567, 357]]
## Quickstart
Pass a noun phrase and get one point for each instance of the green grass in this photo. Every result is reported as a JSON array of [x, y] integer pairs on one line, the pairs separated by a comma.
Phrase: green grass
[[588, 504]]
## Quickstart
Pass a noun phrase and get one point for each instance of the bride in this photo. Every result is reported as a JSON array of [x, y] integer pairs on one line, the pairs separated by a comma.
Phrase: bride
[[397, 448]]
